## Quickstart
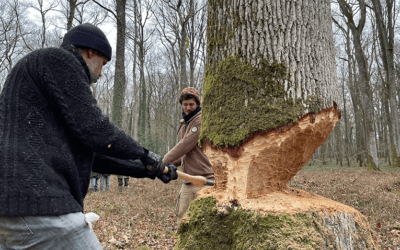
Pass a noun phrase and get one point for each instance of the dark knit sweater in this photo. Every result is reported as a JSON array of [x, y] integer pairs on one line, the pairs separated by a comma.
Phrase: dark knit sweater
[[50, 128]]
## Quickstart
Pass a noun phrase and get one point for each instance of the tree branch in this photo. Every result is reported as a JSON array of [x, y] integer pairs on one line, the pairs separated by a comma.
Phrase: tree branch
[[107, 9]]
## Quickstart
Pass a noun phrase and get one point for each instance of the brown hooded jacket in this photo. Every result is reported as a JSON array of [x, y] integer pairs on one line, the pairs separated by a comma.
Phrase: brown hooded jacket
[[187, 153]]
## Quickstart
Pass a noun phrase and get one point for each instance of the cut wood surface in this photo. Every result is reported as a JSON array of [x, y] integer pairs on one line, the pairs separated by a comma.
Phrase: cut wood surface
[[267, 161]]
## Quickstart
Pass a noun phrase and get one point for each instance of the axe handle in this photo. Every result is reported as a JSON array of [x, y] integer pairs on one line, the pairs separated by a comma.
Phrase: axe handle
[[198, 181]]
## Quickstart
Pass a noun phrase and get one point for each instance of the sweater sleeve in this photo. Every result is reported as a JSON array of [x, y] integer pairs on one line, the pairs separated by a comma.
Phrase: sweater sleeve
[[109, 165], [186, 144], [66, 85]]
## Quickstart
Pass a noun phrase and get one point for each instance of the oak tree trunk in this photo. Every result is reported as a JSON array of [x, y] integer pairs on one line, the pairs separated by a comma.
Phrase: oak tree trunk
[[269, 63]]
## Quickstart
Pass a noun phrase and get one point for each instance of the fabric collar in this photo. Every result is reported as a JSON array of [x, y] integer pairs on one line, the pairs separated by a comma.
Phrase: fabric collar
[[191, 114], [80, 59]]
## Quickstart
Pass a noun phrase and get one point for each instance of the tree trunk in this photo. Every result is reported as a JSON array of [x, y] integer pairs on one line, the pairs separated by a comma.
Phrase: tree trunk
[[119, 82], [366, 93], [183, 42], [386, 39], [269, 63], [142, 100], [71, 13], [346, 129]]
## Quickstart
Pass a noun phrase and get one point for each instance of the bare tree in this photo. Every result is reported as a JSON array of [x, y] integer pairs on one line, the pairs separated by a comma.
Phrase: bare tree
[[80, 11], [70, 13], [142, 36], [196, 38], [119, 79], [12, 16], [386, 40], [174, 17], [366, 93], [43, 12]]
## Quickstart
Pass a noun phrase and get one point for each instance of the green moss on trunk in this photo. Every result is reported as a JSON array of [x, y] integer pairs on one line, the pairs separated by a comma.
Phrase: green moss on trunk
[[240, 99], [206, 228], [237, 229]]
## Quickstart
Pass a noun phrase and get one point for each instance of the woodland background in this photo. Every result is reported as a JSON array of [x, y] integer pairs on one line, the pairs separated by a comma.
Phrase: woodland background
[[160, 48]]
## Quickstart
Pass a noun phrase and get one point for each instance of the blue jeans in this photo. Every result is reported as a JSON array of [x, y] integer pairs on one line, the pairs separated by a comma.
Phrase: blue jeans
[[68, 231], [94, 183], [107, 180]]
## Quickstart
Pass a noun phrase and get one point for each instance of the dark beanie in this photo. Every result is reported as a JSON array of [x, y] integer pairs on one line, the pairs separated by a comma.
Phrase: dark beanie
[[88, 36]]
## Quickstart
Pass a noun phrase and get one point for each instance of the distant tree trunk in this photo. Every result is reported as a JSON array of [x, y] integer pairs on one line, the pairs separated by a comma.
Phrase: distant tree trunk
[[196, 28], [191, 45], [386, 39], [149, 141], [71, 13], [73, 4], [346, 129], [130, 121], [385, 114], [338, 145], [142, 100], [182, 57], [119, 82], [355, 100], [366, 93], [136, 87]]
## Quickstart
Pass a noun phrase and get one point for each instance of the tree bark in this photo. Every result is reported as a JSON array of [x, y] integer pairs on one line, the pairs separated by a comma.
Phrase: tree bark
[[256, 39], [71, 13], [119, 82]]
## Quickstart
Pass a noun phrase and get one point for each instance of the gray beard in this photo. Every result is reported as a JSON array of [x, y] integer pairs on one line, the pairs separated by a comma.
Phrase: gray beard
[[93, 78]]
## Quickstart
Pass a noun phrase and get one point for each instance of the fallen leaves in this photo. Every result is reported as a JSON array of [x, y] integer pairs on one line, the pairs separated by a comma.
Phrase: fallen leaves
[[143, 217], [374, 194]]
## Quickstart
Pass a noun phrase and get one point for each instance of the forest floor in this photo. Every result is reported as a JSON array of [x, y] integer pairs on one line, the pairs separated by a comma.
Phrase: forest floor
[[143, 217]]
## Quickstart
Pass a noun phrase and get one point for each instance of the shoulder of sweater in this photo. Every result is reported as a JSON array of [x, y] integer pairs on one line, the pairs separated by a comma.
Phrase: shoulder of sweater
[[66, 54], [59, 52]]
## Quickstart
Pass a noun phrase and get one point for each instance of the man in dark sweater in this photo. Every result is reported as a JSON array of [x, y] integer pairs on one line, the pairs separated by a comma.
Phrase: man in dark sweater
[[52, 135]]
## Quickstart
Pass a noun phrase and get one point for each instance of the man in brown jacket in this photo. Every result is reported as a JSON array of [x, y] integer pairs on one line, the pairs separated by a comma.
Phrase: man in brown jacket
[[187, 153]]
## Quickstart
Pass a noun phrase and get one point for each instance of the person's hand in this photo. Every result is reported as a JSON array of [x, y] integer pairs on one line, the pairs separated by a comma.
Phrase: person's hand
[[171, 175], [152, 162]]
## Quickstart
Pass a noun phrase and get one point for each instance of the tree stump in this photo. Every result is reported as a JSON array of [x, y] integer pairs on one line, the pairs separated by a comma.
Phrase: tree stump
[[251, 206]]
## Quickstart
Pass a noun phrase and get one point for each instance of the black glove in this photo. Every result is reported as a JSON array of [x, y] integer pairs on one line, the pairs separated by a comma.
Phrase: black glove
[[171, 175], [152, 162]]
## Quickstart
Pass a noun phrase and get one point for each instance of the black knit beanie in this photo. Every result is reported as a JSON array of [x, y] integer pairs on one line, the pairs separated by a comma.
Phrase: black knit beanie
[[88, 36]]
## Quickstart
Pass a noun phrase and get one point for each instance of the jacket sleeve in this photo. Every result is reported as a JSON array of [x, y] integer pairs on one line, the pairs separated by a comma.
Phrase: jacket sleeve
[[66, 85], [187, 143], [108, 165]]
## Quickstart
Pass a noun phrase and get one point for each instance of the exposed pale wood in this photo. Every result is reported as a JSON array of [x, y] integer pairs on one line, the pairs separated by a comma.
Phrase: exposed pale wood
[[266, 162]]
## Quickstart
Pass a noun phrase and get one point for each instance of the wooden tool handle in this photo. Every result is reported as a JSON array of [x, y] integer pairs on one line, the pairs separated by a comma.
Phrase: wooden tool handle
[[198, 181]]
